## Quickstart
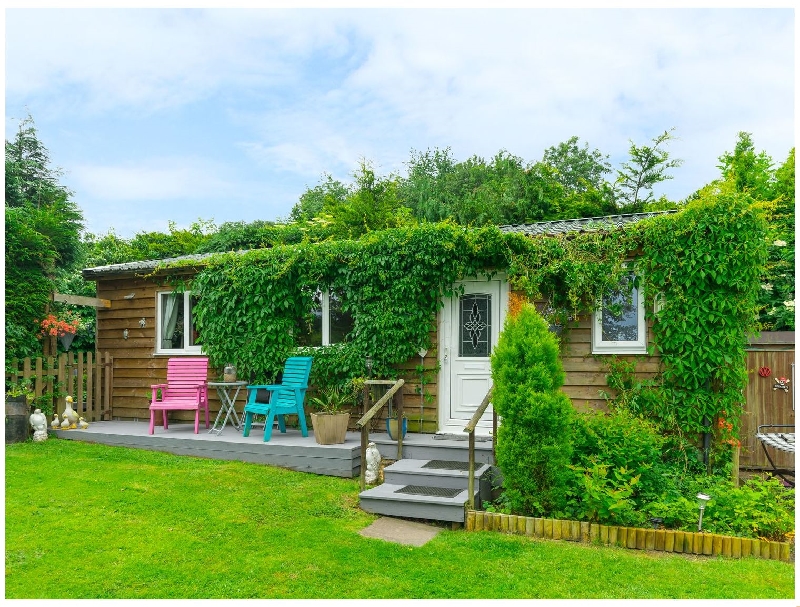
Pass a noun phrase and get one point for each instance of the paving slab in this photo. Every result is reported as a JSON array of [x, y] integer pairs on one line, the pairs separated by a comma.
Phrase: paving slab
[[400, 531]]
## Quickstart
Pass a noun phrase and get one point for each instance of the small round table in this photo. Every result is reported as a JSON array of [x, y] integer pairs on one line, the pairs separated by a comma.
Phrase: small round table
[[227, 404]]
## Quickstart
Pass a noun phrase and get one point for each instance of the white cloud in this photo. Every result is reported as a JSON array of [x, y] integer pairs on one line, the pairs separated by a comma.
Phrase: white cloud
[[155, 180], [311, 91]]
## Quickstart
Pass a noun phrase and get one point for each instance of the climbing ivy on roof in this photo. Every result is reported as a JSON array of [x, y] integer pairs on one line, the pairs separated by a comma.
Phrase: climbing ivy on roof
[[703, 261]]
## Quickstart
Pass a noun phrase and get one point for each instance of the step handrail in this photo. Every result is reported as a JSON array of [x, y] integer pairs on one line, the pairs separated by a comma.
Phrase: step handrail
[[363, 423], [470, 430]]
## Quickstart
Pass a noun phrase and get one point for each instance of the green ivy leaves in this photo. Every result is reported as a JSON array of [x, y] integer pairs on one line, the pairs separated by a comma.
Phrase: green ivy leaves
[[704, 262]]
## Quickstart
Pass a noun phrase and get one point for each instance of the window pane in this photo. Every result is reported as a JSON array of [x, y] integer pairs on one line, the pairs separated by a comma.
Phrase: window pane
[[312, 335], [620, 317], [341, 323], [475, 334], [194, 336], [171, 321]]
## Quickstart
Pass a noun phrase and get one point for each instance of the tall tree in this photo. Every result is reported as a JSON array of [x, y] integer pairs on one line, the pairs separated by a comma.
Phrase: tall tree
[[747, 170], [42, 230], [371, 204], [578, 169], [312, 201], [647, 167], [425, 189]]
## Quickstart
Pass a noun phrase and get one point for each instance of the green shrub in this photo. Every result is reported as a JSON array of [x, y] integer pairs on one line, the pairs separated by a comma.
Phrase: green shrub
[[534, 442], [620, 440], [759, 508], [604, 495]]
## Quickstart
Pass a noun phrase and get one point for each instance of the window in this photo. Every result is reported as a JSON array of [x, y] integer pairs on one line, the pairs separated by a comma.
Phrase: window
[[329, 323], [475, 320], [618, 327], [175, 331]]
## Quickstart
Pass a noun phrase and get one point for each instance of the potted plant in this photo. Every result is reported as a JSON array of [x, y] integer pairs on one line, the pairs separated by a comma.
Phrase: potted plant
[[19, 396], [64, 327], [330, 420]]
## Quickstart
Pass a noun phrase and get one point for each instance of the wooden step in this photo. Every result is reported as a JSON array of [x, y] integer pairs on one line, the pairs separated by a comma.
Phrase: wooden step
[[429, 447], [427, 489], [416, 501], [438, 473]]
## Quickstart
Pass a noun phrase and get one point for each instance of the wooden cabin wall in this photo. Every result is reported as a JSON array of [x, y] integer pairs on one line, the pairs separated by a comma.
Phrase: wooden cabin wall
[[586, 372], [137, 367]]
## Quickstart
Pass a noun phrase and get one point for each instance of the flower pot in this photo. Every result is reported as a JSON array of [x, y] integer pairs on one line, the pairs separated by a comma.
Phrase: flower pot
[[17, 412], [66, 340], [391, 427], [330, 428]]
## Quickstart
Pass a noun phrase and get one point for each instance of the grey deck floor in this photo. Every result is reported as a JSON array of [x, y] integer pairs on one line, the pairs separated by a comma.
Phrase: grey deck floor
[[289, 450]]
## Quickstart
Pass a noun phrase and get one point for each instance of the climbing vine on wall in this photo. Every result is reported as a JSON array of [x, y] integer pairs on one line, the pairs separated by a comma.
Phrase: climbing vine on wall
[[704, 262]]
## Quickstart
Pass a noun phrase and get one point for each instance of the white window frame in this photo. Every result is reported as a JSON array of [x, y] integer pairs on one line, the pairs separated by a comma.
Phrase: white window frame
[[326, 319], [601, 346], [187, 325]]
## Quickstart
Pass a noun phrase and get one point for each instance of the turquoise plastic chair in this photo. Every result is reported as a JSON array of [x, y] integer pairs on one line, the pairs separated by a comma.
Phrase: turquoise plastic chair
[[286, 397]]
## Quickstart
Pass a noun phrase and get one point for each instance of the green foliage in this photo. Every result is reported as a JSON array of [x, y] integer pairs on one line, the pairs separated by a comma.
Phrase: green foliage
[[605, 497], [757, 509], [534, 442], [253, 304], [777, 296], [706, 262], [626, 445], [577, 169], [42, 227], [336, 399], [21, 387], [329, 192], [647, 167], [747, 170], [240, 236], [371, 204]]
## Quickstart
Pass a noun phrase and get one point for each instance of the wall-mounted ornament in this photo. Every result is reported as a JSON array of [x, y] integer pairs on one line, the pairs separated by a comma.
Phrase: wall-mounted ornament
[[765, 371], [781, 383]]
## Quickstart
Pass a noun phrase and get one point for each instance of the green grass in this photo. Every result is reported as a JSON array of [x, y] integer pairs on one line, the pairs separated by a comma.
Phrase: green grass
[[90, 521]]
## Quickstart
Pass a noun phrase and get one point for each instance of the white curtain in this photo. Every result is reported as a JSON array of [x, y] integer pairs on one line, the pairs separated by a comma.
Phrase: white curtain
[[169, 318]]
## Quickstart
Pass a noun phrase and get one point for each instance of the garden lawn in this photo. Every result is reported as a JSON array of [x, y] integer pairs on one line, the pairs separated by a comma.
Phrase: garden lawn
[[91, 521]]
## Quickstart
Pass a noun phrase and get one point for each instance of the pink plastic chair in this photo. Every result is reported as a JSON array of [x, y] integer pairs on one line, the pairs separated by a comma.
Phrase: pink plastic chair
[[185, 390]]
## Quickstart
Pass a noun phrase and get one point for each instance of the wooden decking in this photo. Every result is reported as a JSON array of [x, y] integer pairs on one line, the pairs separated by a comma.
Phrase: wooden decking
[[288, 450]]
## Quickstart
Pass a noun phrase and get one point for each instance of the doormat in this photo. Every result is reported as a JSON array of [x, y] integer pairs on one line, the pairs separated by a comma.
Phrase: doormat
[[445, 436]]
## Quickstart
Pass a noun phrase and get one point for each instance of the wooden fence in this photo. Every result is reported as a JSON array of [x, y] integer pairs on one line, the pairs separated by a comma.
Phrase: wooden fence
[[769, 357], [82, 375]]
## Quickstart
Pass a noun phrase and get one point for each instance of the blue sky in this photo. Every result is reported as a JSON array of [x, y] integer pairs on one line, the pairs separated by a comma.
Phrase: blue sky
[[226, 115]]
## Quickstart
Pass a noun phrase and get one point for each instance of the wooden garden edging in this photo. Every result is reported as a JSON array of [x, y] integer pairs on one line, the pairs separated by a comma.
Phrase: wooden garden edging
[[664, 540]]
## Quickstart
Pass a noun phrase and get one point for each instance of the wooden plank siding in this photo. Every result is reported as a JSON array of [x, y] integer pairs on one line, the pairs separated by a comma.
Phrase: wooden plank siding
[[137, 367]]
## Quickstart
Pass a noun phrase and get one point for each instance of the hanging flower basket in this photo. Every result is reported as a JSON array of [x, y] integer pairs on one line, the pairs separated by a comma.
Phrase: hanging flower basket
[[63, 326], [66, 340]]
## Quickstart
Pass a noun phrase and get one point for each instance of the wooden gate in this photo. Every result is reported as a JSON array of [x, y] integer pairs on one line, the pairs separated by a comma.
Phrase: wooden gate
[[82, 375], [769, 357]]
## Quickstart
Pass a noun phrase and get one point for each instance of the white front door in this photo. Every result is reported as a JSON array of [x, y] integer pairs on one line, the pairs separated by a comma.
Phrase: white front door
[[470, 326]]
